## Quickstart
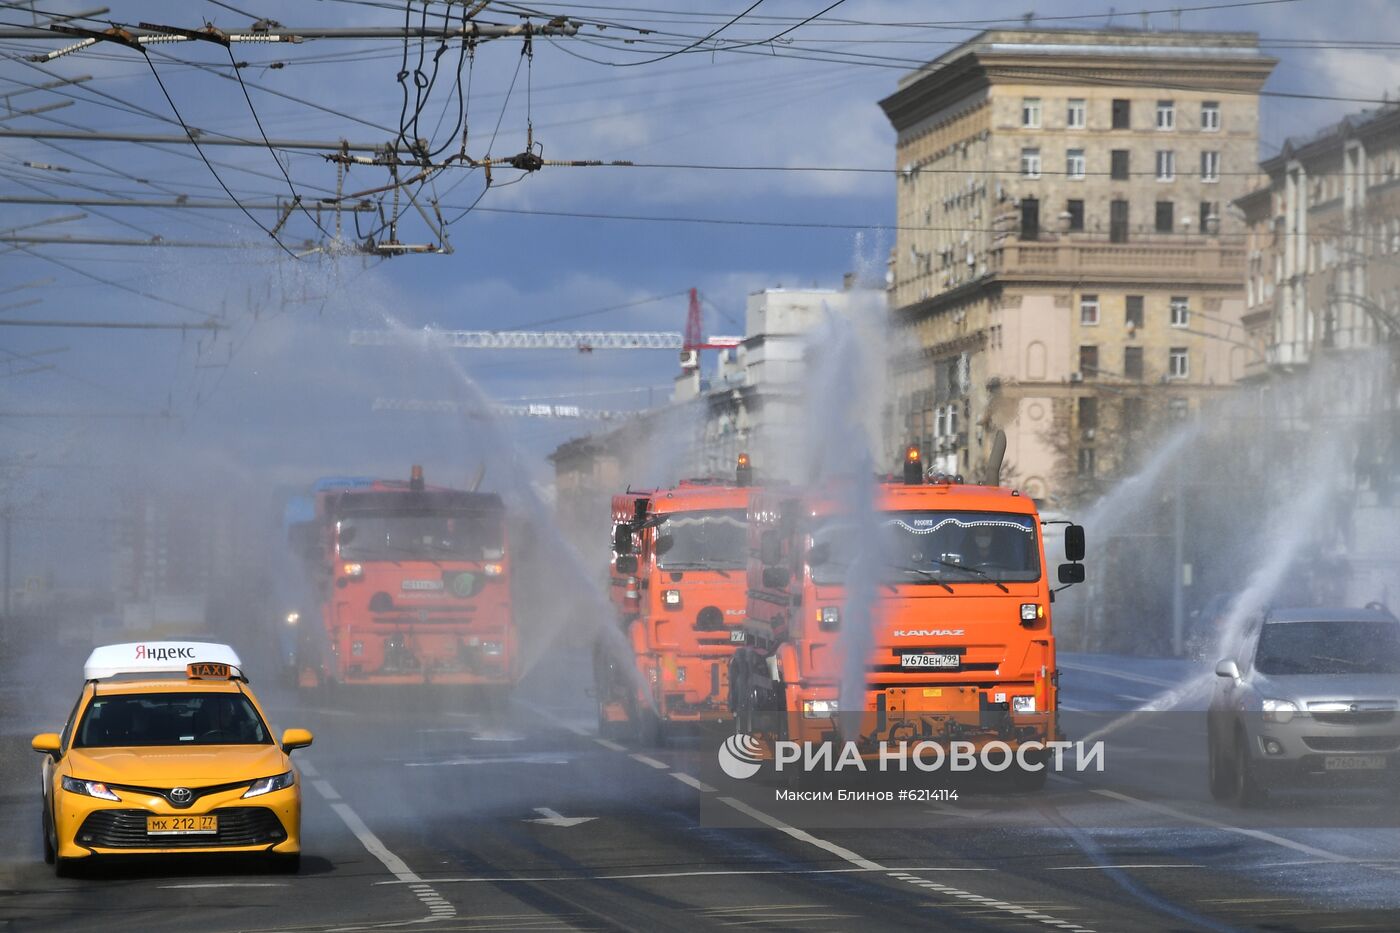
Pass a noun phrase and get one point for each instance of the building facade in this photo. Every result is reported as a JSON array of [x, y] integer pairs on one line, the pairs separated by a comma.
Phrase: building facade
[[1065, 268]]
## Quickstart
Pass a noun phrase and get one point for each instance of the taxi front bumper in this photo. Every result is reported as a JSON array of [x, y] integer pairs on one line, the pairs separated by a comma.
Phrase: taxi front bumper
[[86, 826]]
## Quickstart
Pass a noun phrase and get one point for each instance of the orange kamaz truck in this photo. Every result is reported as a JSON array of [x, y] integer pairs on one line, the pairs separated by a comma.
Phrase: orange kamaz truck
[[407, 584], [678, 583], [941, 585]]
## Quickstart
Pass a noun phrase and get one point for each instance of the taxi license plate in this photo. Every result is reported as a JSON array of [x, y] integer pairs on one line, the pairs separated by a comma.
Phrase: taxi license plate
[[1354, 763], [181, 825], [934, 661]]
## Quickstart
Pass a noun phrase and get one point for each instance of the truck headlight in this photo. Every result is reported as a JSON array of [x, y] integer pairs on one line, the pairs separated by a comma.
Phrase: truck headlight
[[269, 784], [293, 618], [671, 598], [1279, 710], [1032, 611], [89, 789], [354, 571], [1023, 704], [818, 709], [830, 618]]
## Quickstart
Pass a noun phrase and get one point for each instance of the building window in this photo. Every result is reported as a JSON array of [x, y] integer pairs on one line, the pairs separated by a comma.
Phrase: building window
[[1178, 408], [1118, 164], [1165, 217], [1166, 114], [1089, 310], [1088, 413], [1118, 221], [1075, 209], [1132, 363], [1086, 461], [1181, 312], [1088, 361], [1074, 113], [1030, 112], [1030, 218], [1074, 163], [1166, 165], [1133, 311], [1210, 115], [1133, 410], [1122, 111], [1210, 166], [1210, 218], [1030, 163], [1178, 363]]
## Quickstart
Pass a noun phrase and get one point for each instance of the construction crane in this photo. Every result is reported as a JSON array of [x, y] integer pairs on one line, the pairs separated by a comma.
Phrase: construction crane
[[689, 343], [501, 411]]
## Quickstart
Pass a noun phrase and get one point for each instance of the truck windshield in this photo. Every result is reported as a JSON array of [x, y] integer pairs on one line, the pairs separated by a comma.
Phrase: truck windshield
[[170, 719], [421, 535], [934, 548], [1360, 647], [703, 540]]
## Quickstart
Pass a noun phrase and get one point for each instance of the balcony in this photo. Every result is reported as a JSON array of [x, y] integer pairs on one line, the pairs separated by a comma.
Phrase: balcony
[[1170, 258]]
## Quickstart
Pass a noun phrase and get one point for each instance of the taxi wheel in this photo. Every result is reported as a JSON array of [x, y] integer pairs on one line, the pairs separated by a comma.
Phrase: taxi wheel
[[65, 867], [286, 864], [47, 837]]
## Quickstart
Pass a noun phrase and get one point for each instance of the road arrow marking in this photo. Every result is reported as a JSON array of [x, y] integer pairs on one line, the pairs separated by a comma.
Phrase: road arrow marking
[[554, 818]]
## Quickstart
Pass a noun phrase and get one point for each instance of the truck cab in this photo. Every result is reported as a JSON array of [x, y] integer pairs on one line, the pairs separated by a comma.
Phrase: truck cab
[[412, 584], [678, 582], [941, 585]]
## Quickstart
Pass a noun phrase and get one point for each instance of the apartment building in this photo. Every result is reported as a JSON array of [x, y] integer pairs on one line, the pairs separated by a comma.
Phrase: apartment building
[[1065, 268]]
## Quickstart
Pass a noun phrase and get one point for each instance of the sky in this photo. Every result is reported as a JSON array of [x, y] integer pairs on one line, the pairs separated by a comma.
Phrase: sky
[[280, 395]]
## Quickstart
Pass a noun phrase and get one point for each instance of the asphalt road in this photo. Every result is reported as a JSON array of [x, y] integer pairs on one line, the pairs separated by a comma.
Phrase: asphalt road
[[428, 813]]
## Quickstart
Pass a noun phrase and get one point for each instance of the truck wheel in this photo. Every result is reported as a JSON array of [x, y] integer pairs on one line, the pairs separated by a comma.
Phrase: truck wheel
[[647, 728], [1247, 791], [1027, 781]]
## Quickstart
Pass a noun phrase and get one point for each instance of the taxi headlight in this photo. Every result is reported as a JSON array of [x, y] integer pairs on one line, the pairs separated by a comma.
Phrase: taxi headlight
[[269, 784], [89, 788], [1279, 710]]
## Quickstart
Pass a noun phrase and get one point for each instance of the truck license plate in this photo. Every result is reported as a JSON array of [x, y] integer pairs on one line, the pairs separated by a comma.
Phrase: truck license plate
[[181, 825], [736, 635], [1353, 763], [935, 661]]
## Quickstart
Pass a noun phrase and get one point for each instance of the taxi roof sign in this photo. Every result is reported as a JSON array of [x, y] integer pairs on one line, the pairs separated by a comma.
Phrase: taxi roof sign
[[157, 657]]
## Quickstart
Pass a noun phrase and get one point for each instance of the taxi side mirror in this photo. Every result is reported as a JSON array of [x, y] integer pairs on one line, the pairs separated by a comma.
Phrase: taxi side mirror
[[293, 739], [47, 743]]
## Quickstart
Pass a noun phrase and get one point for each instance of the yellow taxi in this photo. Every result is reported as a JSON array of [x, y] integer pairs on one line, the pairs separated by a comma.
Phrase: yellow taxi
[[167, 751]]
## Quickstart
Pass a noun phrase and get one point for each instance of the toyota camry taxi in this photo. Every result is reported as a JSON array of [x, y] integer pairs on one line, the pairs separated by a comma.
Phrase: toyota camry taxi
[[166, 751]]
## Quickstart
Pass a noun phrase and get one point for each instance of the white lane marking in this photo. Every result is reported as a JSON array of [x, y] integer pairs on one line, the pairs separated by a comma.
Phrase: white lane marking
[[1121, 675], [861, 862], [1113, 867], [325, 789], [693, 782], [687, 874], [1259, 834], [650, 762], [550, 817], [439, 908], [222, 884], [610, 744]]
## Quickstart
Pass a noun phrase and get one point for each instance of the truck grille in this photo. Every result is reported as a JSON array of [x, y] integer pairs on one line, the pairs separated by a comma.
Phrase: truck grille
[[126, 829]]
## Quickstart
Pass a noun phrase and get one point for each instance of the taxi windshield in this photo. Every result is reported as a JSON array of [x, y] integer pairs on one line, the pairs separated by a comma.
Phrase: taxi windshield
[[714, 538], [935, 547], [170, 719], [426, 535]]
